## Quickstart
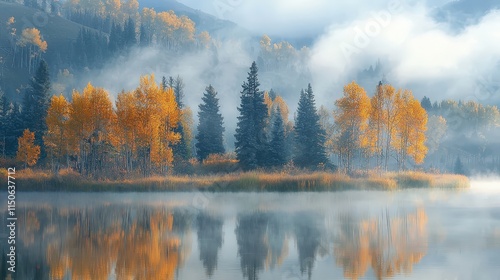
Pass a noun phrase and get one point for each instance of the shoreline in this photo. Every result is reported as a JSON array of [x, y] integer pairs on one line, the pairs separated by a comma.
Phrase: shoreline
[[241, 182]]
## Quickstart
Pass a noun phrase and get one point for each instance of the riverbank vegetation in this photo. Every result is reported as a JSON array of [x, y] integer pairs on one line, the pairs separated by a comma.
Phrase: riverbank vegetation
[[255, 181]]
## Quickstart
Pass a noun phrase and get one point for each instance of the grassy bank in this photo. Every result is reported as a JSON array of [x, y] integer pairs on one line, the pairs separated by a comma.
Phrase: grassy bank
[[27, 180]]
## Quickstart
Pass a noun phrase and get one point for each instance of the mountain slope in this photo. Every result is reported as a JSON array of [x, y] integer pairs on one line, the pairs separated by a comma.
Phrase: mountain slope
[[59, 33], [215, 26]]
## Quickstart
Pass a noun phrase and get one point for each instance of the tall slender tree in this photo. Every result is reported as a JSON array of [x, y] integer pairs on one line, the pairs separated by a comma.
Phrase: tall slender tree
[[310, 136], [36, 104], [278, 153], [210, 126], [181, 150], [351, 120], [252, 148]]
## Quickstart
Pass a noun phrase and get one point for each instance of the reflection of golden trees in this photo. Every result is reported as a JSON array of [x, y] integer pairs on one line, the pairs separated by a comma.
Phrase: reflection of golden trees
[[29, 225], [144, 249], [389, 245], [277, 240]]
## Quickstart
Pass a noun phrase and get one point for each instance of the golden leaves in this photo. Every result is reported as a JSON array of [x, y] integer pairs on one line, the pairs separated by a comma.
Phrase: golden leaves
[[55, 139], [27, 151], [32, 36]]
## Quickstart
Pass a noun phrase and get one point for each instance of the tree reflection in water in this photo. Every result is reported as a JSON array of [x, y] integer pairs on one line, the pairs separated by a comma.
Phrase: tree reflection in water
[[151, 242], [209, 231], [390, 245]]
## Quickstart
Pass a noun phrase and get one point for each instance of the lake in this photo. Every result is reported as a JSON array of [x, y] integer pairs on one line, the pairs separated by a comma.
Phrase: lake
[[408, 234]]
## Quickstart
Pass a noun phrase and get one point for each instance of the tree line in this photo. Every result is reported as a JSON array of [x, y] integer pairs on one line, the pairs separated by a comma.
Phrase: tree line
[[149, 130]]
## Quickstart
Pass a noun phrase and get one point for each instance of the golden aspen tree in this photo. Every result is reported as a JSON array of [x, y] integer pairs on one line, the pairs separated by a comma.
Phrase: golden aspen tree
[[91, 124], [375, 133], [158, 115], [204, 39], [126, 128], [56, 137], [269, 102], [187, 122], [390, 116], [351, 118], [409, 139], [32, 45], [280, 103], [27, 152]]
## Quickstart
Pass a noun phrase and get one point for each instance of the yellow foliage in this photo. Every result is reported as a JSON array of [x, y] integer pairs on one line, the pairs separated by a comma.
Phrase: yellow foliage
[[351, 118], [411, 126], [56, 137], [27, 151], [32, 36], [147, 119]]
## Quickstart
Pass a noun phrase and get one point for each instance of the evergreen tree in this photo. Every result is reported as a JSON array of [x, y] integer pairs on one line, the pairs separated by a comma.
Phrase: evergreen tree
[[129, 35], [164, 83], [252, 148], [310, 136], [12, 129], [278, 141], [181, 149], [459, 167], [36, 103], [426, 104], [210, 136], [143, 37], [115, 38]]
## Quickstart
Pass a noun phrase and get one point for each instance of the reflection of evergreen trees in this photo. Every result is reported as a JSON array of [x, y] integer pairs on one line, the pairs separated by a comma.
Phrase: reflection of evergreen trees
[[147, 242], [308, 229], [252, 248], [209, 230]]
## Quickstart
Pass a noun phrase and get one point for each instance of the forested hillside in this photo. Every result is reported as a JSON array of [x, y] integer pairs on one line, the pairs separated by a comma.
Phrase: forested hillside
[[194, 114]]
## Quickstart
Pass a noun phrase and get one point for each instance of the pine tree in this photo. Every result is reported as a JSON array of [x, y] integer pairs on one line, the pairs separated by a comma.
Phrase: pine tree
[[252, 148], [278, 141], [210, 136], [36, 104], [129, 35], [310, 137], [13, 128], [181, 149], [459, 167], [3, 122], [426, 104]]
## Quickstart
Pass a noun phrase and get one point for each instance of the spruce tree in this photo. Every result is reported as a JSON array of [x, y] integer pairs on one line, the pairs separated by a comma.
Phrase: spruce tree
[[426, 104], [252, 148], [36, 103], [181, 149], [459, 167], [210, 136], [278, 141], [129, 35], [310, 136]]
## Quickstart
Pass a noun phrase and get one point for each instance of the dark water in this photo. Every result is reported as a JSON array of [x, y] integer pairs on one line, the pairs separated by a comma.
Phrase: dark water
[[413, 234]]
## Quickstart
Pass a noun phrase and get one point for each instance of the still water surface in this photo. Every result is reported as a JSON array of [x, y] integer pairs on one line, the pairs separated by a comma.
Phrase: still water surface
[[411, 234]]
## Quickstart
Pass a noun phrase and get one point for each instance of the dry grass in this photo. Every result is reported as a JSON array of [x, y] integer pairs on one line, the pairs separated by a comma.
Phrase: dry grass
[[69, 180]]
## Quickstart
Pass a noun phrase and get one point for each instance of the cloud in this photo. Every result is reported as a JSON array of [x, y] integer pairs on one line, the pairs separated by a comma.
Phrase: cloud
[[416, 50]]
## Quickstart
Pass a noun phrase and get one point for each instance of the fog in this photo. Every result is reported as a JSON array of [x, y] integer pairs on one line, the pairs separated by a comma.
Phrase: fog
[[415, 50]]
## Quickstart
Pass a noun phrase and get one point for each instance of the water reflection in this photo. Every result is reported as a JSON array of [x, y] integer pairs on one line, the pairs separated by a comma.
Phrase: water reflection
[[389, 244], [124, 241], [209, 231]]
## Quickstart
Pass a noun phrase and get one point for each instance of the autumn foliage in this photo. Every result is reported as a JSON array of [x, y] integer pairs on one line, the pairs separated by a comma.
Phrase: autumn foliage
[[28, 153], [138, 134]]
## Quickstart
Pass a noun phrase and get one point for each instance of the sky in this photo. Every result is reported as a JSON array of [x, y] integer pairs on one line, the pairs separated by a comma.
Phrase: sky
[[430, 56], [435, 58]]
